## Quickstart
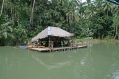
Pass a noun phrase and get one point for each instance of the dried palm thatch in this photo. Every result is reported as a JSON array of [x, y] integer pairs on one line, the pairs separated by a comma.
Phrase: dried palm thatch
[[52, 31]]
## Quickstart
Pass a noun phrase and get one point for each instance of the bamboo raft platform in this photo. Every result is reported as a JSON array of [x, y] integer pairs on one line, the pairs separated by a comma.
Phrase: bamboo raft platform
[[46, 49]]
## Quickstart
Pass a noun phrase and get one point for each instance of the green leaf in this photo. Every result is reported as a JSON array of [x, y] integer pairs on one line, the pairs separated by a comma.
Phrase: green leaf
[[5, 34]]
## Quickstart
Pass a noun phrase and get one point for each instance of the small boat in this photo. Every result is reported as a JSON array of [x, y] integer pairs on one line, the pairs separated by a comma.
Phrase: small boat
[[23, 47]]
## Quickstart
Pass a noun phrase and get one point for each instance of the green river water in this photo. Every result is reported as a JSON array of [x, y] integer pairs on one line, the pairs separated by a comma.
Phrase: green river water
[[97, 61]]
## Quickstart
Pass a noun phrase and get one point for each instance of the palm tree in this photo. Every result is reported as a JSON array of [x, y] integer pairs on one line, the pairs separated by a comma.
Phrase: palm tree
[[6, 30], [106, 7], [72, 13], [116, 22]]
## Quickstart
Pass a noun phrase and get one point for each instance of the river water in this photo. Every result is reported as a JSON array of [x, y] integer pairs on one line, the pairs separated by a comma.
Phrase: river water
[[97, 61]]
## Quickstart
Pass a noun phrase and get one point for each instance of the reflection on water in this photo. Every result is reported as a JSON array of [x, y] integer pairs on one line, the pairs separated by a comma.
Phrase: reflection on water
[[115, 75], [82, 61], [98, 61], [54, 65]]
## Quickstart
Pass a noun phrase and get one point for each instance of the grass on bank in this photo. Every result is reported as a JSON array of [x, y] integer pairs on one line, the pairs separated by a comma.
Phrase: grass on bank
[[94, 40]]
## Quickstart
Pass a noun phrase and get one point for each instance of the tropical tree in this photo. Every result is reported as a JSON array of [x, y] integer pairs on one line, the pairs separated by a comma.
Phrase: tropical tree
[[72, 14], [116, 22], [5, 30]]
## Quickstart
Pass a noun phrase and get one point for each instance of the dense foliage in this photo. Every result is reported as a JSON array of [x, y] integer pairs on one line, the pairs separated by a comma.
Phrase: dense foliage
[[20, 20]]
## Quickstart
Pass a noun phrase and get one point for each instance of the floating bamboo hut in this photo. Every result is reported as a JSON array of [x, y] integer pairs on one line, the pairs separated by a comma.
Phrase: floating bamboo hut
[[62, 39]]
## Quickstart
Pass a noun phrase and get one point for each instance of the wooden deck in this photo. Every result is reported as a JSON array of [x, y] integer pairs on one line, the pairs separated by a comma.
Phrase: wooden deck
[[46, 49]]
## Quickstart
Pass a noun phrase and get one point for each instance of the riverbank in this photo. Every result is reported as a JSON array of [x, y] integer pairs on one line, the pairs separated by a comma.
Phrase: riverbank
[[95, 40]]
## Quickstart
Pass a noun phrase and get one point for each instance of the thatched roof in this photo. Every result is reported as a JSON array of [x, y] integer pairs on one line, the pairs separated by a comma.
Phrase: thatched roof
[[52, 31]]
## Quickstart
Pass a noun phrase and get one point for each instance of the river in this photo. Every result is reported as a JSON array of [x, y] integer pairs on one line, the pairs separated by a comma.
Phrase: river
[[97, 61]]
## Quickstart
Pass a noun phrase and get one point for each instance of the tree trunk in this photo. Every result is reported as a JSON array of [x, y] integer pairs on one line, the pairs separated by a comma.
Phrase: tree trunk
[[102, 36], [2, 7], [12, 14], [31, 16], [115, 32]]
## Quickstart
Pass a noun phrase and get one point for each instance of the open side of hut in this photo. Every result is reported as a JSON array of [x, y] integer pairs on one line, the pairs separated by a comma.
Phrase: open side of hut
[[56, 34]]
